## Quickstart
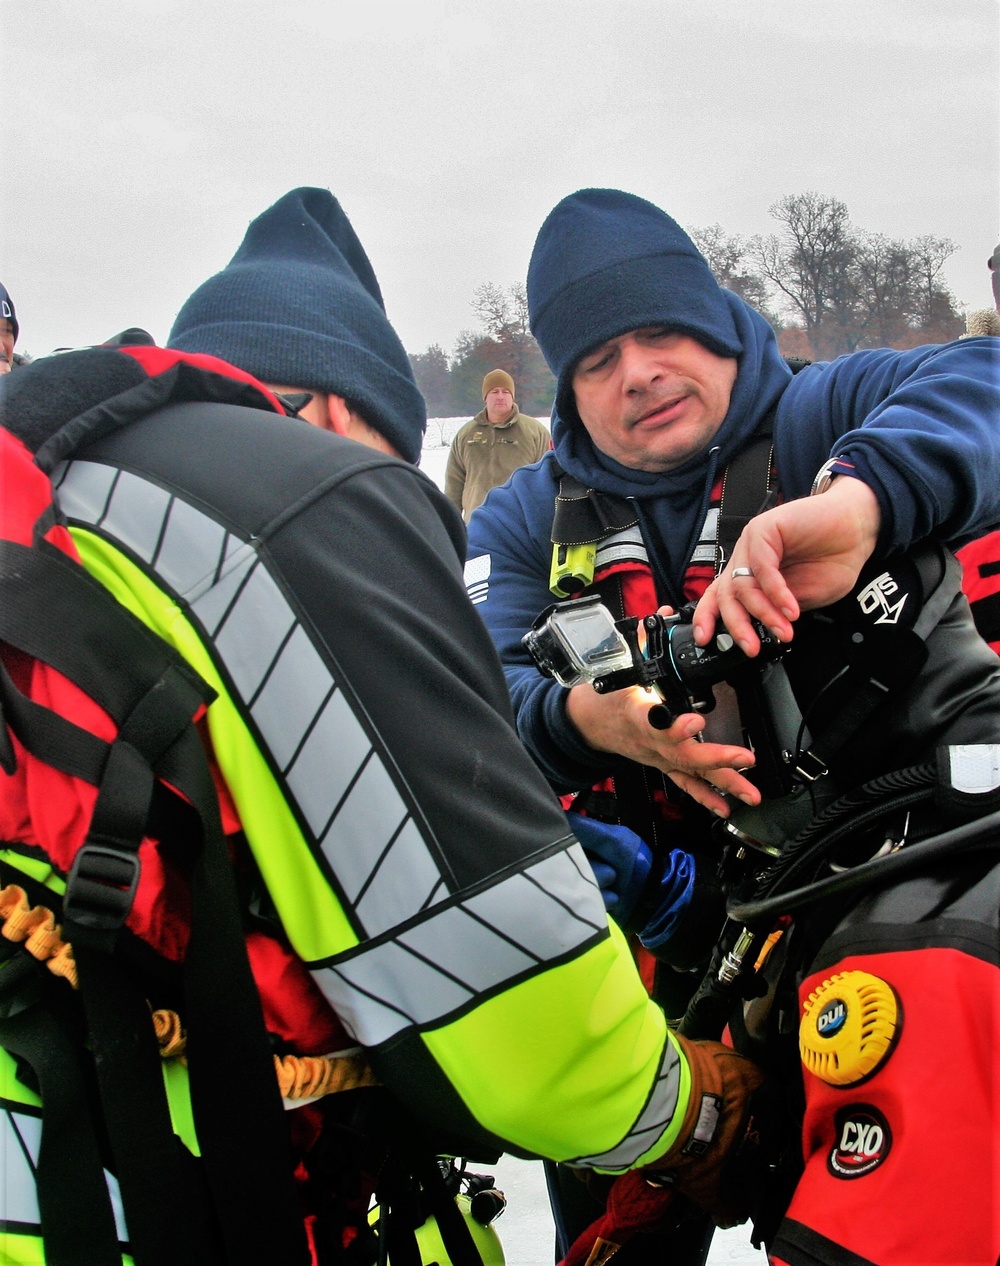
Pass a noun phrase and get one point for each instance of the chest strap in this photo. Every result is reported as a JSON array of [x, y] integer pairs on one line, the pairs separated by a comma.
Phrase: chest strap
[[584, 517]]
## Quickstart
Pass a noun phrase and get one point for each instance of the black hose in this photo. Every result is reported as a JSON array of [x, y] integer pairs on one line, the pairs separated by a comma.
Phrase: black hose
[[786, 871], [969, 837], [904, 787]]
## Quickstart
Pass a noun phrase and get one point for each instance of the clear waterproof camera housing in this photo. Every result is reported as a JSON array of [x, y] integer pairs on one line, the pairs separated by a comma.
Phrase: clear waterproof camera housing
[[577, 642]]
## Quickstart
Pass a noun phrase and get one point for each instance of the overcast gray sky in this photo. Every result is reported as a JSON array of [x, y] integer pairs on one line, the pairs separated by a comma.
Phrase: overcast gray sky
[[140, 137]]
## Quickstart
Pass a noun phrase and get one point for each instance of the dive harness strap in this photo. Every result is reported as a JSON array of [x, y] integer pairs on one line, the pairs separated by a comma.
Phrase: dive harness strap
[[940, 576], [53, 610]]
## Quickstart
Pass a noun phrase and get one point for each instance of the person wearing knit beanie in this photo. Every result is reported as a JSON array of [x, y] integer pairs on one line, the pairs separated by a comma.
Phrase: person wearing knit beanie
[[299, 307], [8, 330], [607, 262], [498, 380], [497, 441]]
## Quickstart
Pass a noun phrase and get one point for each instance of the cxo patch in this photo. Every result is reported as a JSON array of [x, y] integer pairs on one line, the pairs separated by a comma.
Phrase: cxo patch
[[849, 1026], [862, 1141]]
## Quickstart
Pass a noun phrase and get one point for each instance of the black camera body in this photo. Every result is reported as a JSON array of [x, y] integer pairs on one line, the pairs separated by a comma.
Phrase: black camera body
[[579, 641]]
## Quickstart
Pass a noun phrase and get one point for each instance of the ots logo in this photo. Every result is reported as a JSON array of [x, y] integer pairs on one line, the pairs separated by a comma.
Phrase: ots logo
[[832, 1018], [863, 1141], [875, 597]]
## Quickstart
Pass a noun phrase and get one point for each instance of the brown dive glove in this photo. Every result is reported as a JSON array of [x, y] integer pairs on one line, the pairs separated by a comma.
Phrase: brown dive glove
[[719, 1121]]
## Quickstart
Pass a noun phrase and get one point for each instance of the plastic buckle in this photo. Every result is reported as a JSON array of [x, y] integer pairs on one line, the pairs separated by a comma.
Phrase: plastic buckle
[[101, 887], [810, 767]]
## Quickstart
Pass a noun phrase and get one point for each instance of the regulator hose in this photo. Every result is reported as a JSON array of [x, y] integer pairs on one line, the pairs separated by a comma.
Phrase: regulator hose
[[967, 838], [852, 814]]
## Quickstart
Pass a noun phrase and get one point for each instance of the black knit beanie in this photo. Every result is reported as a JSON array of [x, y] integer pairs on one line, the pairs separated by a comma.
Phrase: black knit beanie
[[606, 262], [299, 306]]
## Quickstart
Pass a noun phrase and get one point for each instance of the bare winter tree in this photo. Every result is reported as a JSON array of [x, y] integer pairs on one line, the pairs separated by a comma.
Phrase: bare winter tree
[[503, 313], [810, 266], [929, 255], [505, 342], [849, 288], [728, 256]]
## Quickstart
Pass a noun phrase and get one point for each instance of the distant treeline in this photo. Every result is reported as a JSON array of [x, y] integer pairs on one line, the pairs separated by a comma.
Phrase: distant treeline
[[825, 285]]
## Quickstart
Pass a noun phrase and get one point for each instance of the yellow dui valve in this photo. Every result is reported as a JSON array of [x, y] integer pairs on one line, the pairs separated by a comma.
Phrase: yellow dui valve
[[849, 1027]]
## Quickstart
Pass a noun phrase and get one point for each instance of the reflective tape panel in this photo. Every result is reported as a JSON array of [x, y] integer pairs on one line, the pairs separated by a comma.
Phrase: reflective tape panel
[[626, 546], [83, 489], [254, 630], [652, 1121], [136, 514], [332, 772], [491, 938], [704, 551], [20, 1139], [184, 554]]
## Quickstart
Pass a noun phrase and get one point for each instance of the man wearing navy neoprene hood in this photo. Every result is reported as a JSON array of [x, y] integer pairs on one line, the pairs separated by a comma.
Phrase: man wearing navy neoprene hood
[[666, 382]]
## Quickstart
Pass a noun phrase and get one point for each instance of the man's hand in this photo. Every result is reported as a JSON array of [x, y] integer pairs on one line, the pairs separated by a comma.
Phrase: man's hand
[[619, 722], [797, 557]]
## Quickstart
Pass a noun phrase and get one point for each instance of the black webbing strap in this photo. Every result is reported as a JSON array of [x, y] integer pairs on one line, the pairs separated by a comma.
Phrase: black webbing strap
[[584, 516], [73, 1199], [941, 579], [242, 1129], [455, 1233], [746, 492], [67, 747]]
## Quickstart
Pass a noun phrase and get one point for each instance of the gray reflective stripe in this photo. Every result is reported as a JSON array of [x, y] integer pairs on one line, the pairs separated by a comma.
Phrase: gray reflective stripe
[[20, 1138], [704, 551], [627, 546], [331, 770], [491, 938], [653, 1120], [114, 1191]]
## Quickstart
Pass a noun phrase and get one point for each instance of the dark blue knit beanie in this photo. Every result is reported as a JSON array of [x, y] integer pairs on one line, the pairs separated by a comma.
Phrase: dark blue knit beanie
[[607, 262], [299, 306]]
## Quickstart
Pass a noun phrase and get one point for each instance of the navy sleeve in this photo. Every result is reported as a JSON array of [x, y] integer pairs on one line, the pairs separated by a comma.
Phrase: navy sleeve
[[509, 556], [921, 428]]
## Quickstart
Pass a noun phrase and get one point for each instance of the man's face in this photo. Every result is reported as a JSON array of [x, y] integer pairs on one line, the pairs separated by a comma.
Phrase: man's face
[[653, 398], [6, 345], [499, 403]]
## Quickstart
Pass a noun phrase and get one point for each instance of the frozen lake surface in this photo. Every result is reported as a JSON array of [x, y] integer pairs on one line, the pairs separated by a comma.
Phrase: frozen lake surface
[[528, 1236]]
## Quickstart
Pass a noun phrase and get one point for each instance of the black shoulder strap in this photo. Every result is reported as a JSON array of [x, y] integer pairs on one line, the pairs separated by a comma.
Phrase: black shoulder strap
[[749, 483], [584, 516], [747, 491]]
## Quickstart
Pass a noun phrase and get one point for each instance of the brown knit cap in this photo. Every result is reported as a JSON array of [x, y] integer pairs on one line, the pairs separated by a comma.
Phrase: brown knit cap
[[497, 378]]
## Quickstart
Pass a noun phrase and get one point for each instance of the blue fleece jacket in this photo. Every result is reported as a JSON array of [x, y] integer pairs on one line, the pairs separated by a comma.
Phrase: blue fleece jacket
[[922, 428]]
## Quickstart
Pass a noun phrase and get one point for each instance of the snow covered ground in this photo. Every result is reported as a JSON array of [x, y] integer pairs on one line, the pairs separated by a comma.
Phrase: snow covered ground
[[525, 1227]]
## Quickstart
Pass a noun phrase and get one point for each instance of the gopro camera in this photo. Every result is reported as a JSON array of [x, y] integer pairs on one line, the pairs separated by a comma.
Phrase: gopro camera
[[578, 642]]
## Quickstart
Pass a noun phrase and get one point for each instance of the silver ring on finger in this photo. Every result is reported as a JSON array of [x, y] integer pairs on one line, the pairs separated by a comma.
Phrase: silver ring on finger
[[741, 571]]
